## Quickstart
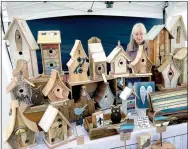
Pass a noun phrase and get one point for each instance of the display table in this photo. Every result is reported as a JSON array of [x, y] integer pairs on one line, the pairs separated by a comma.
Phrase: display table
[[176, 134]]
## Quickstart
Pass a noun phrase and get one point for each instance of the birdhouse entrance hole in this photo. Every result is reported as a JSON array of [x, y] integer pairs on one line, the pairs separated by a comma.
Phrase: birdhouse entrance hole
[[142, 60]]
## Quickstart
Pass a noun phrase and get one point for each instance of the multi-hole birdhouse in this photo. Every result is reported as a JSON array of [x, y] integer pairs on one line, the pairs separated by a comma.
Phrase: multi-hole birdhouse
[[169, 72], [55, 89], [176, 27], [78, 63], [51, 52], [22, 45], [141, 64], [55, 126], [159, 44], [118, 59], [20, 134], [97, 59]]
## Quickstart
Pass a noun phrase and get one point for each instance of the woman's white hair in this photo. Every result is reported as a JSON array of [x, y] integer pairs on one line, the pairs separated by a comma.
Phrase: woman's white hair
[[136, 27]]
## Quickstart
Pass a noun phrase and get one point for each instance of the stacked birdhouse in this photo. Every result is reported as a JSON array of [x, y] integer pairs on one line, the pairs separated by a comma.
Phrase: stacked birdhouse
[[97, 59], [50, 49]]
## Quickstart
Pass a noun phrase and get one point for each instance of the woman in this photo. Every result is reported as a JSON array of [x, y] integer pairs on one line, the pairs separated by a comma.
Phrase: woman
[[136, 39]]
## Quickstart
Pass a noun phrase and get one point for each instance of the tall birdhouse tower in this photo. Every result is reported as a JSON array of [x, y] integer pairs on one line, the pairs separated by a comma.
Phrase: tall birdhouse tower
[[22, 45], [51, 52]]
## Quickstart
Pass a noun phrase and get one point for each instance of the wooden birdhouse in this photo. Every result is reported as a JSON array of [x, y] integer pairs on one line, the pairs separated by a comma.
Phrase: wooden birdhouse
[[104, 96], [78, 63], [55, 126], [20, 133], [20, 87], [51, 52], [118, 59], [22, 45], [180, 59], [159, 44], [169, 72], [97, 59], [141, 64], [55, 89], [176, 27], [128, 97], [84, 96]]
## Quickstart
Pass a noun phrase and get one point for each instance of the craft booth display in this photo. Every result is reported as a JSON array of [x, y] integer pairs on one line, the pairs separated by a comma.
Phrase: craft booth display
[[50, 50], [55, 126], [159, 44], [118, 60], [55, 89], [170, 73], [176, 27], [97, 60], [141, 64], [78, 63], [20, 133], [180, 59], [22, 45]]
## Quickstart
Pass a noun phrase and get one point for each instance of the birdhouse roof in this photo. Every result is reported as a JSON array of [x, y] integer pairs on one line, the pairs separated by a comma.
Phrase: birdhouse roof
[[49, 117], [70, 62], [54, 78], [127, 92], [139, 56], [97, 52], [25, 31], [77, 46], [181, 54], [155, 30], [168, 60], [17, 110], [116, 51], [49, 37], [14, 82], [174, 20], [94, 40]]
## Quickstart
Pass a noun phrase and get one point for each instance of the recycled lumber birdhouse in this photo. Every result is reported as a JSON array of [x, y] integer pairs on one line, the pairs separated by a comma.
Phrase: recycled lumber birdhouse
[[128, 100], [170, 73], [22, 45], [55, 126], [180, 59], [118, 59], [50, 49], [20, 86], [20, 132], [78, 63], [159, 44], [104, 96], [55, 89], [141, 64], [84, 96], [97, 59], [176, 27]]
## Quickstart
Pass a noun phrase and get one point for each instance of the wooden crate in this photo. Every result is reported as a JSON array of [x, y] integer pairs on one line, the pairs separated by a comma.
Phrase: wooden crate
[[95, 133]]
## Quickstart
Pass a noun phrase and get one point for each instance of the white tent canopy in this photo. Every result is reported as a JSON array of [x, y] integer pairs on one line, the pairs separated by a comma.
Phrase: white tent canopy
[[36, 10]]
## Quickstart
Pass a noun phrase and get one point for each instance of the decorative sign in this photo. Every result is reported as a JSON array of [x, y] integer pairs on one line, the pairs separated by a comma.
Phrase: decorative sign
[[125, 136], [142, 122]]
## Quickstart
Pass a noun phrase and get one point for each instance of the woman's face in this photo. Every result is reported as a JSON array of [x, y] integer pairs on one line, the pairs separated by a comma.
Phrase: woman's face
[[138, 36]]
